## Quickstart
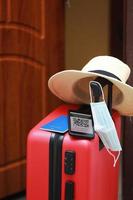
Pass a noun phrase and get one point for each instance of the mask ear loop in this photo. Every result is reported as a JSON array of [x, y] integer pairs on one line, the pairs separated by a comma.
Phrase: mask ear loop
[[115, 158], [90, 90]]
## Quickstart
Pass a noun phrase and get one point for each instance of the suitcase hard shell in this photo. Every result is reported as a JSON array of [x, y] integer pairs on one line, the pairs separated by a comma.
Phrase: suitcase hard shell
[[93, 178]]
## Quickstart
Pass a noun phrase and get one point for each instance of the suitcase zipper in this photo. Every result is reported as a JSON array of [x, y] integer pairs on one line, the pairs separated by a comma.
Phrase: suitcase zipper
[[55, 166]]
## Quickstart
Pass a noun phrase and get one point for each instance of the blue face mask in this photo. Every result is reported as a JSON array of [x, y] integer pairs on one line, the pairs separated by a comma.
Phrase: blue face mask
[[104, 125]]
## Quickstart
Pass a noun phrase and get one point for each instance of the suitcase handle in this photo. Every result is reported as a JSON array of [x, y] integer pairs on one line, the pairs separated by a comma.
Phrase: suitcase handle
[[103, 83], [96, 92]]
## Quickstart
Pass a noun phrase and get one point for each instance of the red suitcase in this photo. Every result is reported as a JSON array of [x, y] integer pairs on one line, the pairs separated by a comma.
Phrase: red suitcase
[[93, 176]]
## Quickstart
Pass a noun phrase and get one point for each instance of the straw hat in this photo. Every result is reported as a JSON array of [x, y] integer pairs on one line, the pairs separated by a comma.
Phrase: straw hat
[[72, 85]]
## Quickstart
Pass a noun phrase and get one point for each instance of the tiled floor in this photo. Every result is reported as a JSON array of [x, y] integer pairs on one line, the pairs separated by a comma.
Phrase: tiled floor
[[24, 198], [20, 198]]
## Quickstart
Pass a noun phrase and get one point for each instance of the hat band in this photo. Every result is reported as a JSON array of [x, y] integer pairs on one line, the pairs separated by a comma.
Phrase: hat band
[[106, 74]]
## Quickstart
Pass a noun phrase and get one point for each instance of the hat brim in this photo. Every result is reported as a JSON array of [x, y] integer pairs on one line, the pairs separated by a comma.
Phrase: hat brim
[[65, 83]]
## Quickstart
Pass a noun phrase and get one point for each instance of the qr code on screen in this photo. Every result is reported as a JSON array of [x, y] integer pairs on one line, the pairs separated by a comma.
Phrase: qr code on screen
[[80, 122]]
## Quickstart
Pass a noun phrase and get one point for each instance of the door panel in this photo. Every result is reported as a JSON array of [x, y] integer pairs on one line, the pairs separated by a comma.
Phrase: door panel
[[31, 50], [29, 16], [20, 43], [2, 11], [13, 177], [23, 104]]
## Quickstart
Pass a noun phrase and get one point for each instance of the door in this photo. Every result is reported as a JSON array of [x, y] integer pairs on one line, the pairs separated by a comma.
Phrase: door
[[31, 50], [128, 126], [122, 47]]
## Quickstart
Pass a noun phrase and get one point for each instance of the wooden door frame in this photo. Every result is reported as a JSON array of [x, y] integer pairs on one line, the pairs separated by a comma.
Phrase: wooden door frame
[[128, 125]]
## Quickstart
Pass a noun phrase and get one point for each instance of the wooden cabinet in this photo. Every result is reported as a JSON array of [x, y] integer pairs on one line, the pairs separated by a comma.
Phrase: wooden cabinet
[[31, 50]]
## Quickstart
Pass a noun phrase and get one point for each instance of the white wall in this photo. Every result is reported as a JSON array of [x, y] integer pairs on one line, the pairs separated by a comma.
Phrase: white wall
[[87, 31]]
